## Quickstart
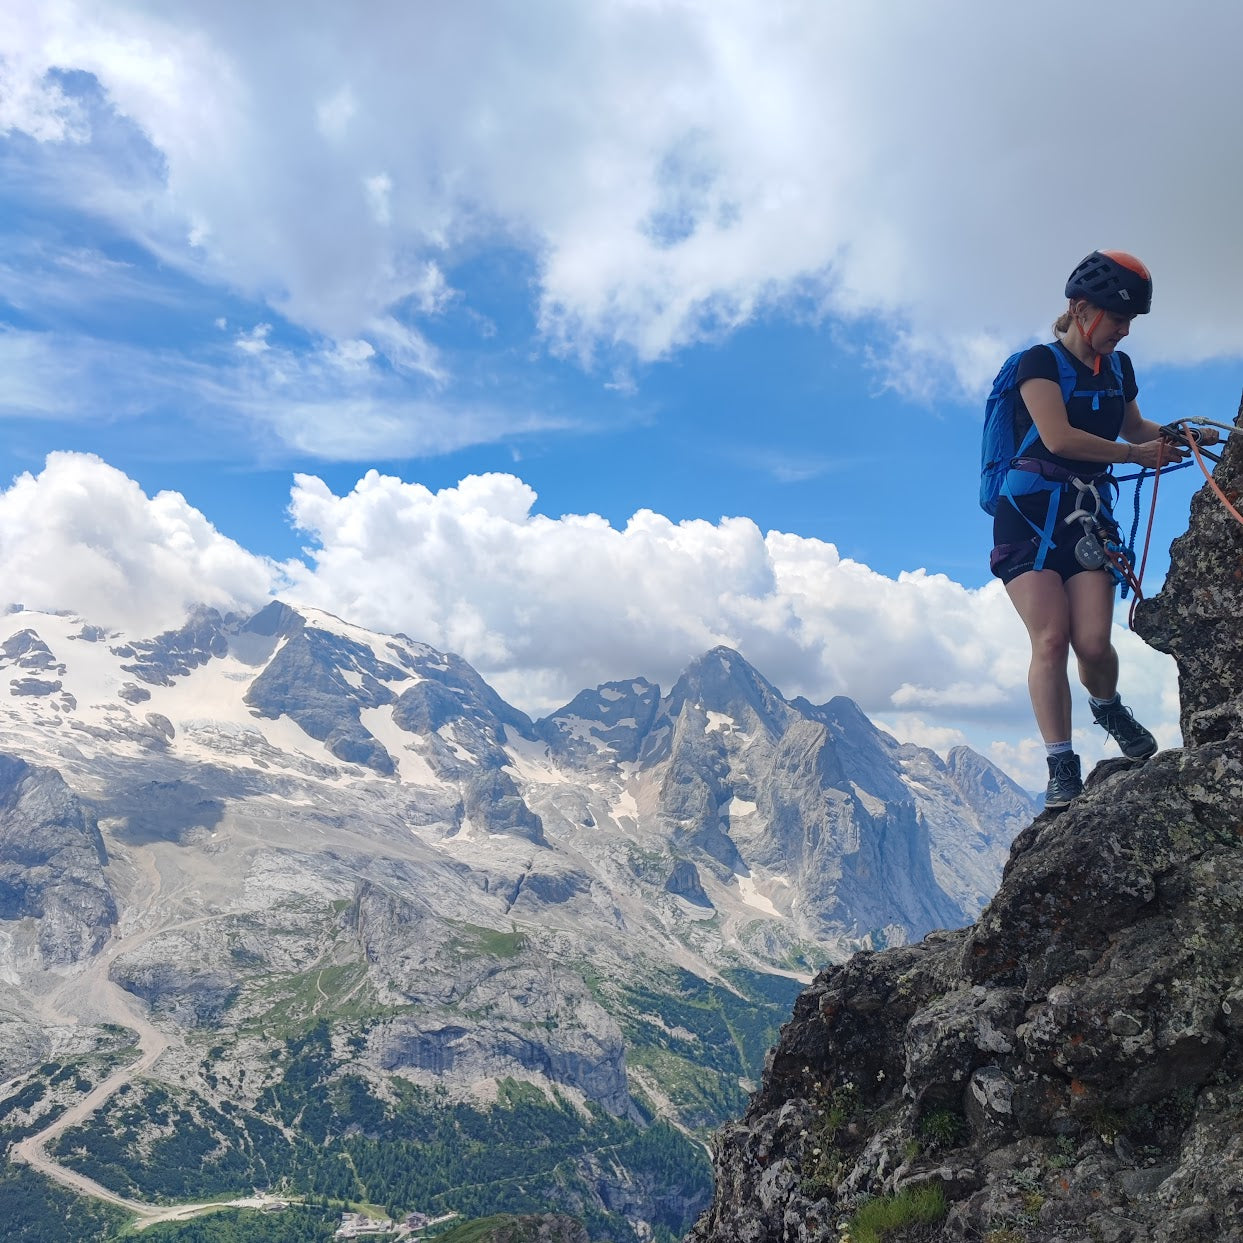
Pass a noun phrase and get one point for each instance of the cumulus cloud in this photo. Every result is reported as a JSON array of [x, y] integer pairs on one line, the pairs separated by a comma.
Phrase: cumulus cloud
[[674, 168], [82, 536]]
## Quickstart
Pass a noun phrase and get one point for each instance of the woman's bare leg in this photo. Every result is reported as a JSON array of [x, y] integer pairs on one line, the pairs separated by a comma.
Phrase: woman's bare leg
[[1041, 600], [1091, 597]]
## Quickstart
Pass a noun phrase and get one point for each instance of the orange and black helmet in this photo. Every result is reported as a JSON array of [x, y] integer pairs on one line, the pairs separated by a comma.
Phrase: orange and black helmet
[[1114, 281]]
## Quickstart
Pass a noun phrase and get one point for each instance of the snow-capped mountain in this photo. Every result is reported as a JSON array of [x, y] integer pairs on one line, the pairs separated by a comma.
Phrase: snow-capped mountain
[[234, 801], [803, 816]]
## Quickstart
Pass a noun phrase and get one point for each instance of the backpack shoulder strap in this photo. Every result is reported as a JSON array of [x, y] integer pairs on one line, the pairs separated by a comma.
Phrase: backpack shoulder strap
[[1067, 377]]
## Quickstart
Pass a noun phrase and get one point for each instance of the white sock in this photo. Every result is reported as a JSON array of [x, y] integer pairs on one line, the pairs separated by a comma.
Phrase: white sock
[[1057, 748]]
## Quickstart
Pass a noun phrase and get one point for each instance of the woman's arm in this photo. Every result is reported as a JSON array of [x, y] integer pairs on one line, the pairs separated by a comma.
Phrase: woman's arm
[[1137, 429], [1145, 446]]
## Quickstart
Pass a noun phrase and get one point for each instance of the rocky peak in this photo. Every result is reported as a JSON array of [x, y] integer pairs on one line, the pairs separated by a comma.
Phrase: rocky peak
[[322, 681], [613, 719], [985, 789], [176, 653], [275, 620], [470, 696], [1070, 1067], [721, 681], [322, 673], [26, 650]]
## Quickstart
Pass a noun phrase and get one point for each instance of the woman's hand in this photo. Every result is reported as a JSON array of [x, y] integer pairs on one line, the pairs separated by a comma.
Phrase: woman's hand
[[1202, 435], [1157, 452]]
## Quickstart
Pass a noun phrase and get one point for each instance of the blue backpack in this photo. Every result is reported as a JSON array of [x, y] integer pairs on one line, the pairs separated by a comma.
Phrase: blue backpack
[[998, 448]]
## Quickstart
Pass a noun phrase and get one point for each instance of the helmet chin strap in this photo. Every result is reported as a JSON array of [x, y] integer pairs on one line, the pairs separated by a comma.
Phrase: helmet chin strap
[[1087, 336]]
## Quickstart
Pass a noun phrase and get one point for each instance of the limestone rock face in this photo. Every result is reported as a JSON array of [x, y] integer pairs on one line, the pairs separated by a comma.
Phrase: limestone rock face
[[51, 863], [614, 718], [306, 681], [1071, 1067]]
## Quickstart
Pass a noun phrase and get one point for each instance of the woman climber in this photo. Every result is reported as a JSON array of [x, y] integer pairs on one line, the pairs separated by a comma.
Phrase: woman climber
[[1073, 400]]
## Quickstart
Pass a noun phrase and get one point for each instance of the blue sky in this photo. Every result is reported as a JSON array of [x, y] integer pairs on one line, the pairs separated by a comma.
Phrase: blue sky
[[577, 338]]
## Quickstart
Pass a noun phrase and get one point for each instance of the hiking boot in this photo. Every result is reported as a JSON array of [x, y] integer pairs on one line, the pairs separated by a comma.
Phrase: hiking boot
[[1115, 719], [1065, 781]]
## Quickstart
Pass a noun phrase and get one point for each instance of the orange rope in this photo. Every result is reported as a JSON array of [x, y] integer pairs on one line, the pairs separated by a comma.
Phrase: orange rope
[[1152, 514], [1208, 474]]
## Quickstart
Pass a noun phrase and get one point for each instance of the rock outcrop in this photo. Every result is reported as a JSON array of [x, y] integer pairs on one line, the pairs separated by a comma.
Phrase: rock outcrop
[[1070, 1068], [51, 864]]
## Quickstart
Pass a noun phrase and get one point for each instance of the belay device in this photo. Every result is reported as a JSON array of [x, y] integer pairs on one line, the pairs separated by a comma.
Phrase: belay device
[[1100, 545]]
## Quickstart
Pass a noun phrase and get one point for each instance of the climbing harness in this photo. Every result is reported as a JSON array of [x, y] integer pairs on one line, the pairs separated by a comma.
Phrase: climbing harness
[[1100, 546]]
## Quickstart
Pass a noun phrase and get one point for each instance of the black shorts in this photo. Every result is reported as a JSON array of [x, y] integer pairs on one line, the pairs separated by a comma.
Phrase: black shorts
[[1015, 544]]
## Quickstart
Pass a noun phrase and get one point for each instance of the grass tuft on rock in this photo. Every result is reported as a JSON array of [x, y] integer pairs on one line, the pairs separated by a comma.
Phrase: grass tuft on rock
[[916, 1206]]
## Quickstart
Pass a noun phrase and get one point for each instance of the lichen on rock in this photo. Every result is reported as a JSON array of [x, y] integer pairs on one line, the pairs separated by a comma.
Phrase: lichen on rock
[[1070, 1068]]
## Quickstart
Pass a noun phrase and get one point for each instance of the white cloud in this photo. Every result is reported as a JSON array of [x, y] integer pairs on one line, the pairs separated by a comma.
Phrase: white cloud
[[335, 113], [379, 195], [912, 728], [675, 168], [960, 696], [34, 376], [31, 100], [255, 341], [84, 537]]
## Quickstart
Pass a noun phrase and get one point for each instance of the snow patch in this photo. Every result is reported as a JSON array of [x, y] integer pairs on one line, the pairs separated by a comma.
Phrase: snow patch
[[624, 804], [412, 768], [751, 895], [531, 761], [578, 728]]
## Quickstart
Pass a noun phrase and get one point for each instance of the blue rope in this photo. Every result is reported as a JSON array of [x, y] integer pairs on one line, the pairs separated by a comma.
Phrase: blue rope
[[1129, 547], [1165, 470]]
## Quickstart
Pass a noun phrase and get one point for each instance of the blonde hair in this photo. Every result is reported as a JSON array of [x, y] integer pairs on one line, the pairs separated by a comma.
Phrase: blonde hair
[[1061, 325]]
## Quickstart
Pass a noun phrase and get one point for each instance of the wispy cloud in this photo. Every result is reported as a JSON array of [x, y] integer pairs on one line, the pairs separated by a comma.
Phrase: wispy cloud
[[674, 169], [331, 401], [791, 467]]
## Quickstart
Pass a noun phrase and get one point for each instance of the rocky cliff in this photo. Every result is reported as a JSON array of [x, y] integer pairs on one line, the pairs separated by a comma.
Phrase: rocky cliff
[[52, 862], [1070, 1068]]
